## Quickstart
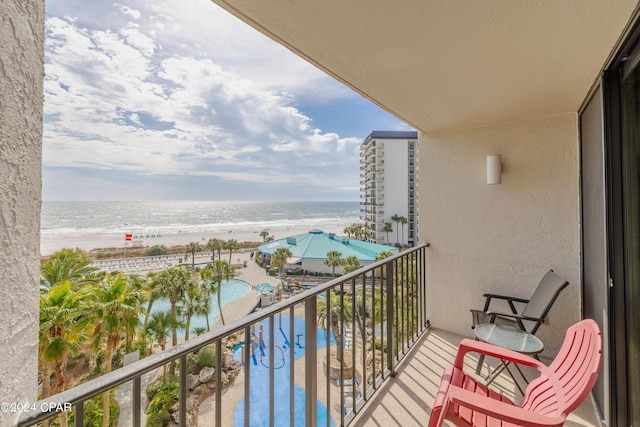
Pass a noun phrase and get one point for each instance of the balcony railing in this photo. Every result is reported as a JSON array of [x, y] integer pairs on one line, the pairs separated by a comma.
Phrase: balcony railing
[[374, 315]]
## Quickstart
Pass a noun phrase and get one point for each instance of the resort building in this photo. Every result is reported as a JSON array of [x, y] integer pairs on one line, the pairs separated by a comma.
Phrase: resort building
[[549, 87], [309, 250], [389, 186]]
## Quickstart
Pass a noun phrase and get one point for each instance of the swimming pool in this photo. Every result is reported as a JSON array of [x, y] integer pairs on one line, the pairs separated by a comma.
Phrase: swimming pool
[[231, 290], [259, 393]]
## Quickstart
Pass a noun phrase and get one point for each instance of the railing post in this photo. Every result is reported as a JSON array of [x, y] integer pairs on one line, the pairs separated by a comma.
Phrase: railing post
[[310, 363], [272, 386], [183, 390], [248, 344], [390, 317], [292, 361], [137, 387], [218, 391], [78, 420]]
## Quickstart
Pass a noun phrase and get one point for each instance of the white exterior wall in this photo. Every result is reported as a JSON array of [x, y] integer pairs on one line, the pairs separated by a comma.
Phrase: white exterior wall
[[21, 80], [396, 186], [317, 266], [501, 238]]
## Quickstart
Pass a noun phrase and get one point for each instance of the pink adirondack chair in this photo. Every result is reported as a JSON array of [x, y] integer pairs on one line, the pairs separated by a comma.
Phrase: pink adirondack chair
[[548, 399]]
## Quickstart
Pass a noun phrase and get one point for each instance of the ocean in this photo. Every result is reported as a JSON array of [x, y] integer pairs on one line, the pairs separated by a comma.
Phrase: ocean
[[70, 219]]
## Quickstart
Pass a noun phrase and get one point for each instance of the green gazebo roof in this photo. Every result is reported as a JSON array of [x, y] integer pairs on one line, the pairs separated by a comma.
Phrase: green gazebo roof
[[315, 244]]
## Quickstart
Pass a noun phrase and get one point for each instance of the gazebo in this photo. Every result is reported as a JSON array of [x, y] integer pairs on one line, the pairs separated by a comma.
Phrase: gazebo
[[310, 250]]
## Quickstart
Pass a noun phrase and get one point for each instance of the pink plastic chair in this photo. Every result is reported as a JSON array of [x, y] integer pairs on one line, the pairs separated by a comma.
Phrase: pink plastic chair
[[548, 399]]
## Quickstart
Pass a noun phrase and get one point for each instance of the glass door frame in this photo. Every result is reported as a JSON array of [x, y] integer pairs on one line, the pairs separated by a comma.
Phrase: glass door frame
[[625, 62]]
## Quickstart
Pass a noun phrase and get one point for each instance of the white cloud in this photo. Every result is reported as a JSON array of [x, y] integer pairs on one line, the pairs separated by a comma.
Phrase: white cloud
[[135, 14], [125, 96]]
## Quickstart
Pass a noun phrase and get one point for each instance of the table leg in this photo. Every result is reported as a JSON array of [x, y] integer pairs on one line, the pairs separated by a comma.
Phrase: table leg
[[504, 365], [480, 362]]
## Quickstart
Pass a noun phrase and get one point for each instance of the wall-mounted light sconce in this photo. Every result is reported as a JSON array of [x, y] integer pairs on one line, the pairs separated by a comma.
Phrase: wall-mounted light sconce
[[494, 169]]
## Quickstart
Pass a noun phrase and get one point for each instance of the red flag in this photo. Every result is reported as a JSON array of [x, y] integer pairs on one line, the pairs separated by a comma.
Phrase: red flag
[[128, 236]]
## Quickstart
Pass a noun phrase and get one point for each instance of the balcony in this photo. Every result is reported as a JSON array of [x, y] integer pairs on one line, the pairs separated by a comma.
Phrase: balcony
[[391, 357]]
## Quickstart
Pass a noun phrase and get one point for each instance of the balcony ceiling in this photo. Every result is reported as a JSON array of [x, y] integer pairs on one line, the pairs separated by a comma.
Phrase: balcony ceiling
[[447, 64]]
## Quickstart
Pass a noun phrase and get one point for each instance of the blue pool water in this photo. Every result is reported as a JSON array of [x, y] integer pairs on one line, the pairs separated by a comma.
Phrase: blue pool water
[[231, 290], [259, 394]]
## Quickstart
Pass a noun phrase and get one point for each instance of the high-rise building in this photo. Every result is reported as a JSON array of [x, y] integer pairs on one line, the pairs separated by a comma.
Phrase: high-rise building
[[389, 186]]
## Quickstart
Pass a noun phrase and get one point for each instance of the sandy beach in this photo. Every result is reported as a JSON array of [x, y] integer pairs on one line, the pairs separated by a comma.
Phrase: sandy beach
[[50, 245]]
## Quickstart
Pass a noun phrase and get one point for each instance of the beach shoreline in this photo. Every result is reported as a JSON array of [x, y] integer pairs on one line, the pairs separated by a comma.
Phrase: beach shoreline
[[49, 245]]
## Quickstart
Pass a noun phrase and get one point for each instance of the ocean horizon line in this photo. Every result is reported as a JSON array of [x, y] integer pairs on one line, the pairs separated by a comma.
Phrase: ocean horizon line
[[356, 200]]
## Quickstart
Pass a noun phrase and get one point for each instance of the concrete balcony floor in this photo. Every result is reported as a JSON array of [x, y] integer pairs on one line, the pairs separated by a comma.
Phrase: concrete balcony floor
[[407, 399]]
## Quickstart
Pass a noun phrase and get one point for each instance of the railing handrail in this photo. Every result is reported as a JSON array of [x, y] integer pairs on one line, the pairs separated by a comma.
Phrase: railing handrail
[[94, 387]]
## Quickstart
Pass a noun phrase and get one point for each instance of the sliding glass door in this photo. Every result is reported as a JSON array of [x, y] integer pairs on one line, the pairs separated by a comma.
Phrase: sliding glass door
[[630, 165]]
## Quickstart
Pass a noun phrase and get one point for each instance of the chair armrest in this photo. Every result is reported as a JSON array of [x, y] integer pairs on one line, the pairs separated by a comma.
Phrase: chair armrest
[[514, 316], [500, 410], [510, 300], [516, 299], [468, 345], [518, 318]]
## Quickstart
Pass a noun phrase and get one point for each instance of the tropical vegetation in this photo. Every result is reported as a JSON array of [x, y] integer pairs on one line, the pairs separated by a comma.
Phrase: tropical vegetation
[[231, 245], [193, 248], [387, 228], [215, 245], [215, 274], [279, 259], [334, 312], [334, 260], [93, 318], [358, 230]]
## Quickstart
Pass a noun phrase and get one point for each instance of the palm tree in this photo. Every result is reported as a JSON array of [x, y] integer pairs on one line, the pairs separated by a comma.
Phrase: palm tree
[[62, 333], [396, 219], [356, 230], [192, 248], [350, 263], [380, 256], [66, 264], [279, 259], [264, 233], [221, 270], [364, 232], [191, 305], [153, 293], [172, 284], [383, 255], [402, 221], [334, 259], [347, 231], [371, 299], [215, 245], [206, 287], [332, 311], [117, 308], [231, 245], [160, 326], [388, 228]]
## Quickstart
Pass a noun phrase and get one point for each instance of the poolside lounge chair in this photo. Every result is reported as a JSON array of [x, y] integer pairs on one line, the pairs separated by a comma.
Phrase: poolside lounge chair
[[548, 399]]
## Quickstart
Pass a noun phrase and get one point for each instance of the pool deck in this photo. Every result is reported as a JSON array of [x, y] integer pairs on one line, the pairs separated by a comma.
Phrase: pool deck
[[252, 274]]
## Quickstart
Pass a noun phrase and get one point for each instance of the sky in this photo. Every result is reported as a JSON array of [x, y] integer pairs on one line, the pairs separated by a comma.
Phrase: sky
[[179, 100]]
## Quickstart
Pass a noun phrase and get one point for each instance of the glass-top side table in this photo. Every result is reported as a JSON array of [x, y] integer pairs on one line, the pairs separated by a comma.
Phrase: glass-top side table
[[509, 338]]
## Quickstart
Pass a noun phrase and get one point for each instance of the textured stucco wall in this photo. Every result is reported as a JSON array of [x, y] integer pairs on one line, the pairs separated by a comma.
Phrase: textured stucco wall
[[501, 238], [21, 79]]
